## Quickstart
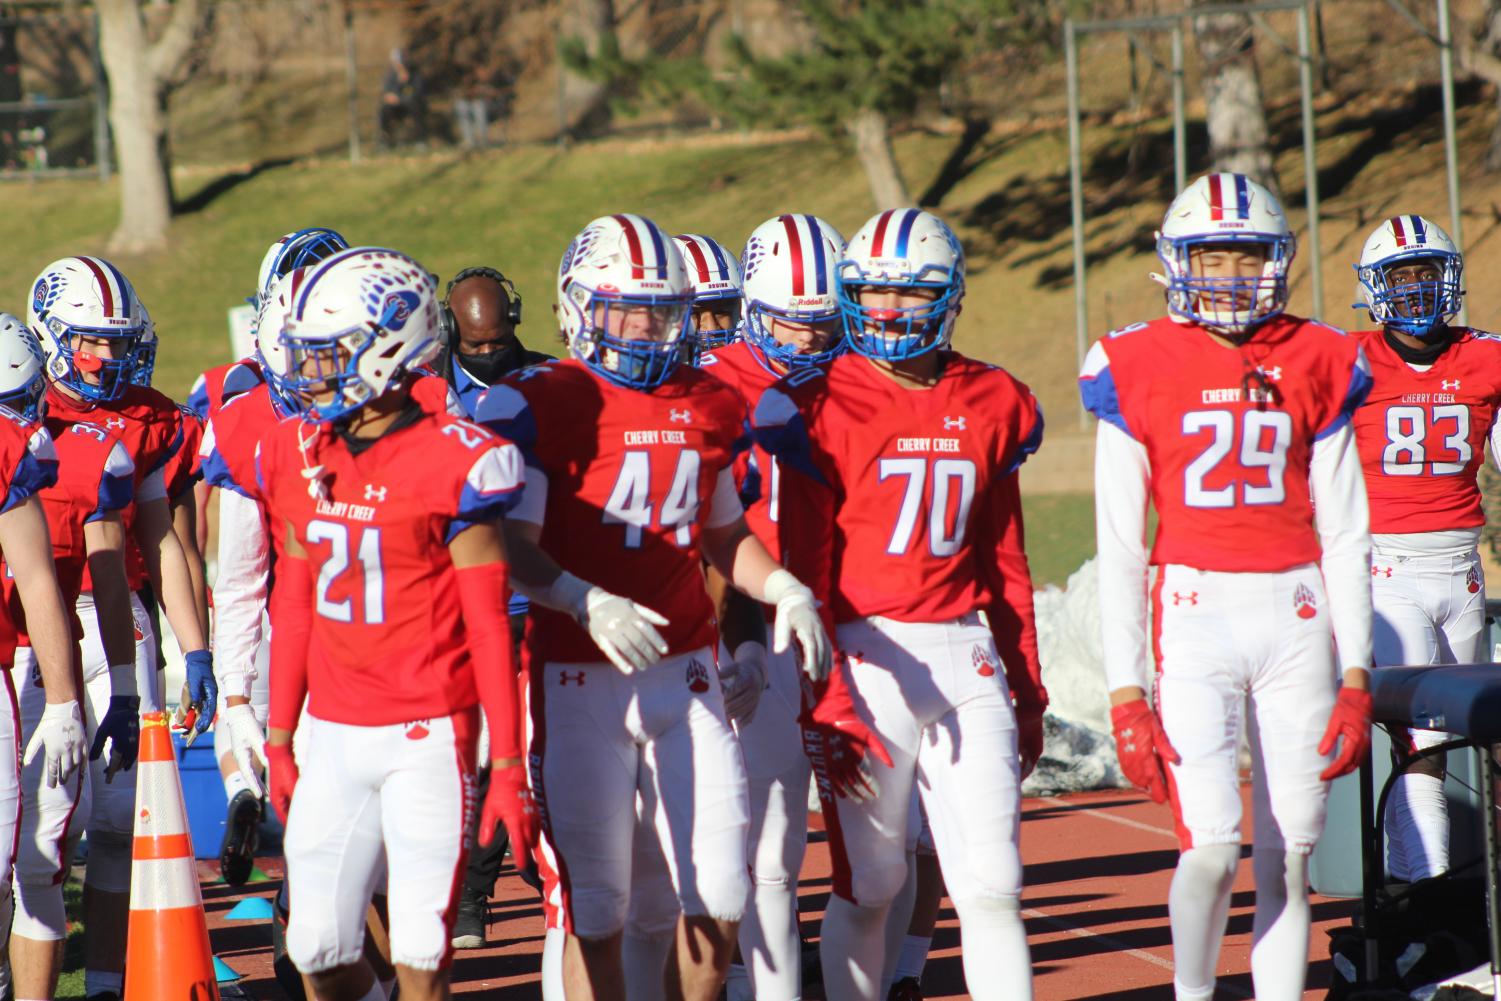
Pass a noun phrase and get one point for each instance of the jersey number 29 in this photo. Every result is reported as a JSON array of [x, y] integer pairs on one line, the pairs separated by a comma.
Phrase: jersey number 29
[[1264, 437]]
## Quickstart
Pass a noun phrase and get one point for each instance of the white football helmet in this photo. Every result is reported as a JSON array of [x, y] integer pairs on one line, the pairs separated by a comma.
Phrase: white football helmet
[[715, 274], [622, 270], [901, 249], [87, 297], [22, 384], [789, 266], [1416, 308], [360, 321], [297, 249], [144, 366], [1225, 208], [270, 353]]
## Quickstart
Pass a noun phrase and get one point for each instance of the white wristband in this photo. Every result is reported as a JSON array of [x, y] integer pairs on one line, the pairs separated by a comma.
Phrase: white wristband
[[779, 584]]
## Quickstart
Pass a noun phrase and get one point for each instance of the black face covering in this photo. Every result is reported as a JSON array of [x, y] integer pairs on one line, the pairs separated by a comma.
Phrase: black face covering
[[491, 366], [1429, 353]]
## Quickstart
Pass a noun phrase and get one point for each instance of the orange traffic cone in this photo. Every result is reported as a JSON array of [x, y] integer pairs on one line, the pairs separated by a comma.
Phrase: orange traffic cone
[[168, 955]]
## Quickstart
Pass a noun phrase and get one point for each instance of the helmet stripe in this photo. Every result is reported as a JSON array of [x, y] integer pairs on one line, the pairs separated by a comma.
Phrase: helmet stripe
[[323, 267], [104, 289], [879, 236], [700, 262], [714, 248], [1216, 199], [659, 248], [909, 218], [794, 248], [1242, 197], [121, 285], [633, 244], [1398, 232], [1419, 233], [816, 235]]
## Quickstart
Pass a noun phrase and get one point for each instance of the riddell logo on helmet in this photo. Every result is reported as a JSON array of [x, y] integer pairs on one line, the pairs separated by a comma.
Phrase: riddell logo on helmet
[[808, 300]]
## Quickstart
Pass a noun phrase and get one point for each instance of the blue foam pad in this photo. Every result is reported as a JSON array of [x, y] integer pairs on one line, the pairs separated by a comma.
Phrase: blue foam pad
[[1463, 699], [251, 909]]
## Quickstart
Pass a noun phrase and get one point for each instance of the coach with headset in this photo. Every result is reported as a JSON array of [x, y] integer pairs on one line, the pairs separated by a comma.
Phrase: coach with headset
[[481, 311]]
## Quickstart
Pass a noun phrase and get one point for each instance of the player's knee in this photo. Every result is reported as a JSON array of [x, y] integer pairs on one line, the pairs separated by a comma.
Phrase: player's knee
[[108, 867], [991, 876], [988, 911], [598, 913], [649, 918], [317, 947], [418, 940], [1209, 865], [721, 894], [877, 884], [40, 915]]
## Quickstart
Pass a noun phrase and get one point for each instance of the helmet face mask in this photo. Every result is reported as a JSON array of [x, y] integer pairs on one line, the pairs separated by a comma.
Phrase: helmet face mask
[[1219, 213], [1393, 283], [81, 308], [358, 323], [299, 248], [789, 266], [625, 301]]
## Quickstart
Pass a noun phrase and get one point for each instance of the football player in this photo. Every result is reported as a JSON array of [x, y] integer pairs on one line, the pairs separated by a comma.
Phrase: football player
[[899, 496], [388, 618], [87, 478], [1422, 435], [790, 318], [90, 324], [1232, 417], [629, 489]]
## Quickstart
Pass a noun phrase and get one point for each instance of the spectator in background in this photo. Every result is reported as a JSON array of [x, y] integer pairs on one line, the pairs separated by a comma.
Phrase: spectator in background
[[402, 96]]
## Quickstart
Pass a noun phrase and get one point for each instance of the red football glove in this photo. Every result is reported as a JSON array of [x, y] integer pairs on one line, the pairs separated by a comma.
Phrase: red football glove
[[1029, 737], [509, 801], [1351, 719], [838, 750], [283, 768], [1142, 746]]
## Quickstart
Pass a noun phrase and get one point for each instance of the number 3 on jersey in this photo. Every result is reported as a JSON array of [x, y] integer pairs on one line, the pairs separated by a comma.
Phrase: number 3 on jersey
[[1406, 431], [1264, 438], [630, 502]]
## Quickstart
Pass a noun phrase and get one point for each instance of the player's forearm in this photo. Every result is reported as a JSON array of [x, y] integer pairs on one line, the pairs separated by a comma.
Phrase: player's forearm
[[239, 591], [185, 527], [1121, 477], [105, 540], [292, 627], [737, 554], [741, 617], [533, 573], [482, 595], [168, 568], [1012, 617], [28, 553], [1343, 521]]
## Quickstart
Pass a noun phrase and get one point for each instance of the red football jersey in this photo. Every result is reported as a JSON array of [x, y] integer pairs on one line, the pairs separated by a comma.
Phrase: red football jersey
[[95, 477], [185, 468], [150, 426], [1228, 430], [903, 503], [756, 472], [629, 477], [1422, 434], [28, 465], [227, 451], [388, 643], [223, 383]]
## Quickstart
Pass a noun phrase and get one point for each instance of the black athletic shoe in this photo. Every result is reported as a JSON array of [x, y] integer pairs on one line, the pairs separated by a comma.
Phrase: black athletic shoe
[[241, 837], [469, 926], [905, 989]]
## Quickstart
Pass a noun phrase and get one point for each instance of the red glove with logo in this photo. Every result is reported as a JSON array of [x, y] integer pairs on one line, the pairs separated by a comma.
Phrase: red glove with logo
[[836, 740], [509, 801], [283, 768], [1142, 746], [1029, 736], [1351, 719]]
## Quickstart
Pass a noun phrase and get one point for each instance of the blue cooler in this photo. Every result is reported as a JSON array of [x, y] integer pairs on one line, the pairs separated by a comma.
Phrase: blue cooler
[[202, 793]]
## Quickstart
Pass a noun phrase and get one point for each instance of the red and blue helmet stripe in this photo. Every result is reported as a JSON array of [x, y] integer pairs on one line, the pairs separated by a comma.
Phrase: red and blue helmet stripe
[[1223, 188]]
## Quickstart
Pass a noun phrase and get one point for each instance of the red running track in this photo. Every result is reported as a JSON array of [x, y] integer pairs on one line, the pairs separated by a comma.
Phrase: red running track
[[1098, 867]]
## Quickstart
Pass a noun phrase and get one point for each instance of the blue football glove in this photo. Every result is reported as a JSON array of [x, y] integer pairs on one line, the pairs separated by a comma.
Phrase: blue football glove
[[121, 726], [203, 689]]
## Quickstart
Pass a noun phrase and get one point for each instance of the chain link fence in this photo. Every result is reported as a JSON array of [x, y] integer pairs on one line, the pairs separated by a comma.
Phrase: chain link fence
[[51, 101]]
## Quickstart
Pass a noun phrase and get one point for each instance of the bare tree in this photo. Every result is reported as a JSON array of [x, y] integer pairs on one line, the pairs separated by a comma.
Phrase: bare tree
[[141, 74], [583, 101], [1239, 139], [1478, 48]]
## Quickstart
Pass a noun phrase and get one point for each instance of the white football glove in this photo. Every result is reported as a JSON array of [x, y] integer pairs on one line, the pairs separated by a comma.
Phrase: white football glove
[[797, 618], [247, 742], [743, 679], [60, 735], [623, 630]]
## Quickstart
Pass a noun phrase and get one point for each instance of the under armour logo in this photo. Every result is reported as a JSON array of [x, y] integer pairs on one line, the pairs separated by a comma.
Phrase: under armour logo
[[953, 423], [564, 677], [1450, 383], [377, 494], [1381, 572], [1191, 598], [114, 422], [680, 416], [1274, 373]]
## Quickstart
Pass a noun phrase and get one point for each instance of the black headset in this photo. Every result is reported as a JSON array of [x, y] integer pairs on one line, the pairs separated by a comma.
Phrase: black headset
[[513, 300]]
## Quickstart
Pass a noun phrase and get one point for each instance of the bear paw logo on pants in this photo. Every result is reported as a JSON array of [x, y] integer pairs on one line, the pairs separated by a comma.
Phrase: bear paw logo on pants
[[698, 677], [1472, 580], [1304, 603], [983, 661]]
